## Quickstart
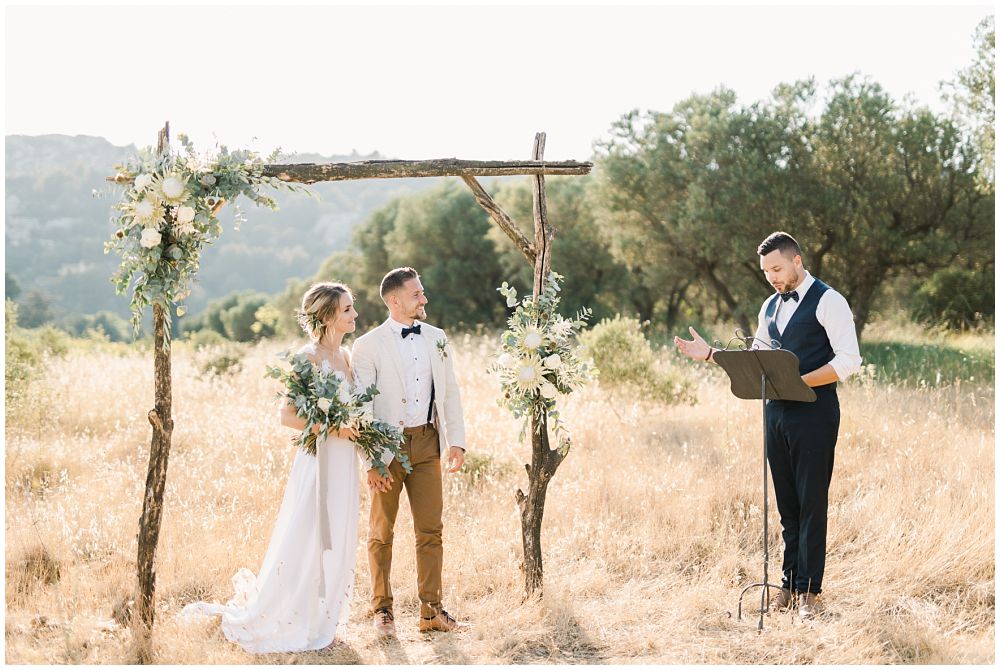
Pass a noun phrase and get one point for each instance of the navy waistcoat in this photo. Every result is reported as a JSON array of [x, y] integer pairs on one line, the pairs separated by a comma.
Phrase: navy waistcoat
[[804, 336]]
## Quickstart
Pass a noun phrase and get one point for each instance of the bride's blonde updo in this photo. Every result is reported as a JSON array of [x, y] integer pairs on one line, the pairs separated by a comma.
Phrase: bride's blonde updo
[[321, 301]]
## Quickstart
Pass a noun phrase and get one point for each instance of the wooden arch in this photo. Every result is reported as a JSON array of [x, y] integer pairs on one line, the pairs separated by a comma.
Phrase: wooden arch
[[538, 252]]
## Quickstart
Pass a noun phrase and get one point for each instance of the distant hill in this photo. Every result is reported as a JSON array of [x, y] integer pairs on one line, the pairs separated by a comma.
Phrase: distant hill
[[55, 227]]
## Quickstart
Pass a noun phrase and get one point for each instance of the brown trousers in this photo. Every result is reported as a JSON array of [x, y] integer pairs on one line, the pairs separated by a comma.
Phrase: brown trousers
[[424, 490]]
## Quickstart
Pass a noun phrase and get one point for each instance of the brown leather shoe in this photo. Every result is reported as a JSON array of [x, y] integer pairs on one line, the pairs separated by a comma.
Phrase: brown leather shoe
[[810, 605], [782, 600], [442, 621], [384, 622]]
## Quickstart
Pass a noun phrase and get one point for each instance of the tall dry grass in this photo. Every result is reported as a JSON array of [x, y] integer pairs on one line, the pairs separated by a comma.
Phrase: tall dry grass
[[652, 525]]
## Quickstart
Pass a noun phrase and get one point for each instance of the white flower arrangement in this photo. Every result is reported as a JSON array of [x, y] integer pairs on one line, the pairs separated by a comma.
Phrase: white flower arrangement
[[539, 357], [168, 214], [442, 347]]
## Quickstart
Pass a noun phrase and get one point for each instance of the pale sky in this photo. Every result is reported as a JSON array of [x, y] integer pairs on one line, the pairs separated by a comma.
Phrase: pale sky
[[471, 82]]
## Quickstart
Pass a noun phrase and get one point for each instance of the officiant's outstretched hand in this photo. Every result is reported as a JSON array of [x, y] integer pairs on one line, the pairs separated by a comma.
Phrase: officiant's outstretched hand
[[696, 349]]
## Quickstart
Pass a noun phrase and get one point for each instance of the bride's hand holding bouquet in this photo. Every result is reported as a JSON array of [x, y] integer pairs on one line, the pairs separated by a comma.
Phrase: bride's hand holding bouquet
[[322, 397]]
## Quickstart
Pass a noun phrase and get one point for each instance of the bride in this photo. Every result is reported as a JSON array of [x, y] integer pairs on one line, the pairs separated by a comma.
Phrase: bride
[[303, 590]]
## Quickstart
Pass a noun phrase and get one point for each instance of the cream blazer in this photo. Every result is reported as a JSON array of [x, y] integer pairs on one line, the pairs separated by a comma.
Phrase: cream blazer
[[376, 360]]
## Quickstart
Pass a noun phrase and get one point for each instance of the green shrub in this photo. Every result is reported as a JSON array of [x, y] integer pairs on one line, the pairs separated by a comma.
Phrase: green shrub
[[51, 340], [956, 298], [201, 339], [104, 325], [627, 361], [220, 361], [20, 359], [24, 357]]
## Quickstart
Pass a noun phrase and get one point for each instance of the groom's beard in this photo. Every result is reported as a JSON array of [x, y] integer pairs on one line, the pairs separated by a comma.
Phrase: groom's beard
[[419, 313]]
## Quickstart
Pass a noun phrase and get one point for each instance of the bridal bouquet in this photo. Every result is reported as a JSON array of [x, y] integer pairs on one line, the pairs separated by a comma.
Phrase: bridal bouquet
[[322, 398]]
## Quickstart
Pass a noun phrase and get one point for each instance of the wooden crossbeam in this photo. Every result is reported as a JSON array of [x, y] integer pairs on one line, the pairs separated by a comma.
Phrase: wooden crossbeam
[[310, 173]]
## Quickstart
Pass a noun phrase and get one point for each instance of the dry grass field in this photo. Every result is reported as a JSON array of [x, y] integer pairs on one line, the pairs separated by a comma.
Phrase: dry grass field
[[652, 524]]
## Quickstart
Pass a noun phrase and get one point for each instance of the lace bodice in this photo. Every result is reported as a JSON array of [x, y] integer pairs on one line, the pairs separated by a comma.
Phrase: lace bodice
[[327, 367]]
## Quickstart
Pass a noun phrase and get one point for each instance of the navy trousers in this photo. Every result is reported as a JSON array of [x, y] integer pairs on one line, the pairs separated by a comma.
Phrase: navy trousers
[[800, 443]]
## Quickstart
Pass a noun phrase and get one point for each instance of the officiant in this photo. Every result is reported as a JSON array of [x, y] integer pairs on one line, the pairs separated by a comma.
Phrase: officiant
[[813, 321]]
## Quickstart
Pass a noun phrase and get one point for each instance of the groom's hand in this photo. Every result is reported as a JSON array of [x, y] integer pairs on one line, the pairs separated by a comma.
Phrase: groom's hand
[[377, 483], [456, 458]]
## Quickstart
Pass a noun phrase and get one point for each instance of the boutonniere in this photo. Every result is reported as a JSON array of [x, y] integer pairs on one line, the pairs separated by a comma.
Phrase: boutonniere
[[442, 347]]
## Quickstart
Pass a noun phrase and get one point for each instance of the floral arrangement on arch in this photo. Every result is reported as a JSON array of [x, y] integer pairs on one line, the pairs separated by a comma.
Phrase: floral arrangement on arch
[[540, 358], [169, 213]]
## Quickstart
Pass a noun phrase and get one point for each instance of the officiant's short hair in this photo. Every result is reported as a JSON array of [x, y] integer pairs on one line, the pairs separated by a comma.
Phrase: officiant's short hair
[[783, 242], [395, 279]]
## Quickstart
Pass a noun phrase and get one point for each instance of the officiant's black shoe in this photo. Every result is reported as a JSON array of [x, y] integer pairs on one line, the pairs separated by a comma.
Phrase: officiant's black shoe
[[782, 600], [441, 621], [384, 622]]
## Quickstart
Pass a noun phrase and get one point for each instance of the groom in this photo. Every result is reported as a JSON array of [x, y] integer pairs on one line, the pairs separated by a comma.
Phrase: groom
[[409, 362]]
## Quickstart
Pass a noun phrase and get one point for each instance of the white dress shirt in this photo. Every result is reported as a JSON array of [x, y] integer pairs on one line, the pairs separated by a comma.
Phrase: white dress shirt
[[417, 376], [833, 313]]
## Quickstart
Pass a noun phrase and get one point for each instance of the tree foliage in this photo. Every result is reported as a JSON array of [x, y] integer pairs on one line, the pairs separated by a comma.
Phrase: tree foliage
[[594, 278], [238, 316], [870, 188], [973, 96]]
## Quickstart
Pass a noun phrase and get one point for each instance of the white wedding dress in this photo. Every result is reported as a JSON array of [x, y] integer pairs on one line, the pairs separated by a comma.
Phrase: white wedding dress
[[303, 591]]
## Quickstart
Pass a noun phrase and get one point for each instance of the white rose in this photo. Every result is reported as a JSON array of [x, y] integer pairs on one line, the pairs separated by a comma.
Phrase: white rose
[[173, 187], [143, 181], [532, 340], [553, 362], [344, 393], [549, 390], [144, 210], [185, 229], [185, 214], [526, 374], [150, 237], [505, 360], [323, 404], [207, 180]]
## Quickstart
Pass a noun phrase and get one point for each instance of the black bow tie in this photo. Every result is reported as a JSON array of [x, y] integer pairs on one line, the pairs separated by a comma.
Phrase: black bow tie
[[791, 295], [412, 329]]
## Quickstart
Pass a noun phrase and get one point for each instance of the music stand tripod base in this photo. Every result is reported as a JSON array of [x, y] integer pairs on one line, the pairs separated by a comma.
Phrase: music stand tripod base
[[764, 375]]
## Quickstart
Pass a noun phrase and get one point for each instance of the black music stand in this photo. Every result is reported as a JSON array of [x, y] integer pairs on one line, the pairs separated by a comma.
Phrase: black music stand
[[767, 374]]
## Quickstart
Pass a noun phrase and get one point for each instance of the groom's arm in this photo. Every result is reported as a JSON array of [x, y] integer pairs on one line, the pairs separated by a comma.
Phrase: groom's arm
[[453, 418], [363, 360]]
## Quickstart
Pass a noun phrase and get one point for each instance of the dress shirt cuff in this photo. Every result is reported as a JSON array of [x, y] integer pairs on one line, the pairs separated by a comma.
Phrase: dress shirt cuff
[[845, 365]]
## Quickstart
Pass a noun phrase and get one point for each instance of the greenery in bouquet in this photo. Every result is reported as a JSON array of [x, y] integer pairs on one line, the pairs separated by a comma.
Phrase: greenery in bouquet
[[168, 213], [540, 358], [324, 400]]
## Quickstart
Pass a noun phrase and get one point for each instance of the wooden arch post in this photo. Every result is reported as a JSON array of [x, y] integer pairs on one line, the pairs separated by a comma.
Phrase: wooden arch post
[[156, 473], [544, 459]]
